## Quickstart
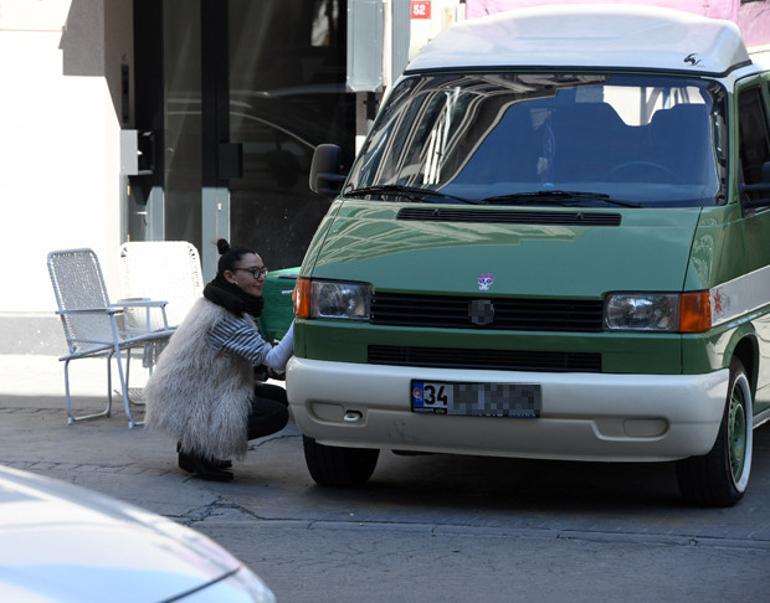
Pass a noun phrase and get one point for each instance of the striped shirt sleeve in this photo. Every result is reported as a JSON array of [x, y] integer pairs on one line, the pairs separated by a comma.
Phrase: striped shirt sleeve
[[238, 335]]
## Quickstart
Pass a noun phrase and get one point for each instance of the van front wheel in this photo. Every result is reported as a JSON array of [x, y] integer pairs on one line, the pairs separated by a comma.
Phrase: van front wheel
[[337, 466], [720, 478]]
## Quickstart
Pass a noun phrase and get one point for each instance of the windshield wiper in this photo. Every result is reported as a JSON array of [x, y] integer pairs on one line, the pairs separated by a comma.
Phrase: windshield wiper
[[559, 197], [413, 193]]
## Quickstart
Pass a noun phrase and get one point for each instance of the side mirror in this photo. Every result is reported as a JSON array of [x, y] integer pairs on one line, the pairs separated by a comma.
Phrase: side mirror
[[325, 177]]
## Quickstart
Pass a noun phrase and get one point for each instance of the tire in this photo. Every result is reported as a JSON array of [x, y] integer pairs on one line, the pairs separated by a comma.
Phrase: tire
[[337, 466], [720, 478]]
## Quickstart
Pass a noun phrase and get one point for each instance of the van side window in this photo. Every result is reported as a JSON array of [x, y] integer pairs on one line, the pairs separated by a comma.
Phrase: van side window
[[754, 138]]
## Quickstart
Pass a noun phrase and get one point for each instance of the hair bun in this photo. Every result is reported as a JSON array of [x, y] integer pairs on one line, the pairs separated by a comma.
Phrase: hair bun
[[223, 246]]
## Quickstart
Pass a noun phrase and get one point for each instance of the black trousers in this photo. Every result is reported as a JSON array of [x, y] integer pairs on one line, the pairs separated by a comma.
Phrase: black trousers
[[269, 410]]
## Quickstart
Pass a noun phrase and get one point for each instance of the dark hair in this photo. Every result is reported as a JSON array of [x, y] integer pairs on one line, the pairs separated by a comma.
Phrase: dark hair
[[230, 256]]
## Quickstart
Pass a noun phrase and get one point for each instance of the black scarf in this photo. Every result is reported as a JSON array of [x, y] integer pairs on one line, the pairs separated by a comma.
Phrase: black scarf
[[232, 298]]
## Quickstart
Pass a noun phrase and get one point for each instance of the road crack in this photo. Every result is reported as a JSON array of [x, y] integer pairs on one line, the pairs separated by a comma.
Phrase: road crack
[[275, 439]]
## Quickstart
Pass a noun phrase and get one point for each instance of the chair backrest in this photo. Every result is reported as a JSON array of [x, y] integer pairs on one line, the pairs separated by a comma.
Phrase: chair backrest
[[163, 270], [683, 141], [78, 284], [505, 148], [586, 137]]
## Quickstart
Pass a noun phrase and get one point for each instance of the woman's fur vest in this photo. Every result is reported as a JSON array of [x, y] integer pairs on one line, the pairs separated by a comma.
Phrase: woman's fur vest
[[201, 396]]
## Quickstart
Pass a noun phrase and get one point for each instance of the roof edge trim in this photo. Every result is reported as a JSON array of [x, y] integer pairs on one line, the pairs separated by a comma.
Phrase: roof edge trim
[[575, 69]]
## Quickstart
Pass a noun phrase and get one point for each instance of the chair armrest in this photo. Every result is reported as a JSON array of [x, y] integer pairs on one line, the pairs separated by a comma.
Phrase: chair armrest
[[148, 305], [108, 310], [139, 302]]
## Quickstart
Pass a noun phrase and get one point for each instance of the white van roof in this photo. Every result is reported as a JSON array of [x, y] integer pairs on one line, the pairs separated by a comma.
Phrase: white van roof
[[589, 36]]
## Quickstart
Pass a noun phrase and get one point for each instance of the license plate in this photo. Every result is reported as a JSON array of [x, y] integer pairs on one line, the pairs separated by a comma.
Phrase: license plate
[[519, 400]]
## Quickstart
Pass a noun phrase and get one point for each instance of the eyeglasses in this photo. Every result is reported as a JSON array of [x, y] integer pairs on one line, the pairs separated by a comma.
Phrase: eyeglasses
[[257, 273]]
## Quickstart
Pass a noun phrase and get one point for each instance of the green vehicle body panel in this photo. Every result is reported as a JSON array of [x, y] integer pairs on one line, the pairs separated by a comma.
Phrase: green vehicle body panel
[[657, 250], [648, 252], [366, 243], [718, 253], [716, 348], [278, 311], [311, 255], [346, 341]]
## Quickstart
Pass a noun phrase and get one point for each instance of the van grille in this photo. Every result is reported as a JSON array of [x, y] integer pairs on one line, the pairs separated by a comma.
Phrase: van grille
[[567, 218], [554, 362], [398, 309]]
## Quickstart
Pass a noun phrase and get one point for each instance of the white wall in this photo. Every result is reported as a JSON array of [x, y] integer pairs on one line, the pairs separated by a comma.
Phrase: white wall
[[59, 140]]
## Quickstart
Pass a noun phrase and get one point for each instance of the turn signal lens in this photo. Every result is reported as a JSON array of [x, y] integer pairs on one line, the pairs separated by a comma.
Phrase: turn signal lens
[[695, 312], [301, 297]]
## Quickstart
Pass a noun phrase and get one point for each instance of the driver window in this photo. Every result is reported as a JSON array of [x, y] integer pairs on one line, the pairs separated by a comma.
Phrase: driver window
[[753, 132]]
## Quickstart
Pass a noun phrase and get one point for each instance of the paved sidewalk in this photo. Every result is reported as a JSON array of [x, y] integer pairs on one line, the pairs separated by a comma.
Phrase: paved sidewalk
[[136, 465], [33, 375]]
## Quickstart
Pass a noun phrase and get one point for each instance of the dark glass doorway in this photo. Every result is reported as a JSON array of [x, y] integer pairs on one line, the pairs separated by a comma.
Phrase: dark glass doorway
[[236, 95], [182, 153], [286, 90]]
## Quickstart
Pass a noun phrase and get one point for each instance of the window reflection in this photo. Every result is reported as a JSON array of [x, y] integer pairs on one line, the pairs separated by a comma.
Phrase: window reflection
[[182, 119], [641, 138], [287, 95], [325, 22]]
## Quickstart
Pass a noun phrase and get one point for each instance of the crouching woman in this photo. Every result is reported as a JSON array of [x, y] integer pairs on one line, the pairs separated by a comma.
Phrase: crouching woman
[[203, 390]]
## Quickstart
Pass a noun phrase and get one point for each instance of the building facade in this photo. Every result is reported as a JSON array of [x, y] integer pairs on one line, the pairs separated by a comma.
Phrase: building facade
[[161, 120], [179, 120]]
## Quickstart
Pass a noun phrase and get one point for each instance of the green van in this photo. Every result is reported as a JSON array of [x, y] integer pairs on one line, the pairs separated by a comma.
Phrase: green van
[[553, 244]]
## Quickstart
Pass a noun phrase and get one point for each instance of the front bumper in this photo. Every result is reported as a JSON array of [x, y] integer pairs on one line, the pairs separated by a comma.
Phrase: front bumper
[[585, 416]]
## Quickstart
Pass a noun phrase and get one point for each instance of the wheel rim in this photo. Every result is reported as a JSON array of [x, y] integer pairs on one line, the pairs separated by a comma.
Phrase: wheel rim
[[736, 432]]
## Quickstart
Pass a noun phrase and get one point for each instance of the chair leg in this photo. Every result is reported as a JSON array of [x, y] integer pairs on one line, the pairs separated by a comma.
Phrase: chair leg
[[71, 418], [151, 356], [124, 387], [137, 401], [128, 380], [128, 366], [109, 384]]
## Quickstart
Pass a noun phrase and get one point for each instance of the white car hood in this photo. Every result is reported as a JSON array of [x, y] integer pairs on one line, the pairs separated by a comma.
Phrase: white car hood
[[59, 542]]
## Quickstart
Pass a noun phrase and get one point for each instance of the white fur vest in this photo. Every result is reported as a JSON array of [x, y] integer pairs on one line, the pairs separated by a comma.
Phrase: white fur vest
[[201, 396]]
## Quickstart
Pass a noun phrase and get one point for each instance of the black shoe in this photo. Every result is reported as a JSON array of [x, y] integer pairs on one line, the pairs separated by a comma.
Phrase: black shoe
[[218, 463], [186, 461], [212, 473], [222, 463], [200, 467]]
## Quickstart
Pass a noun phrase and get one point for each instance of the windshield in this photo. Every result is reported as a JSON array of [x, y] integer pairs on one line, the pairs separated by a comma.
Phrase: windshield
[[547, 139]]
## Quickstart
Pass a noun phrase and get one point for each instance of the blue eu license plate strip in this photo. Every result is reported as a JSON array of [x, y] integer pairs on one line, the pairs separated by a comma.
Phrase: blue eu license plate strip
[[519, 401]]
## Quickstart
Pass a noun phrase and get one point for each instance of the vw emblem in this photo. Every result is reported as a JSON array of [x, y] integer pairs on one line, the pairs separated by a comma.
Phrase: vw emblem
[[485, 281], [481, 312]]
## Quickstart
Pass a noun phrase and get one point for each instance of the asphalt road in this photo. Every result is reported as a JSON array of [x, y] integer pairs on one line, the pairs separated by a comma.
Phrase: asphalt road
[[426, 528]]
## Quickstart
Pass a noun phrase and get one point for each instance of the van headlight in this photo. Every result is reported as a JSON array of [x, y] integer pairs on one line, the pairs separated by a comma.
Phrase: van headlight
[[332, 299], [642, 312]]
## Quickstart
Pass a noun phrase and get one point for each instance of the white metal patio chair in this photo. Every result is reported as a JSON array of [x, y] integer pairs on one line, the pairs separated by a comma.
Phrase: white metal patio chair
[[169, 270], [94, 327]]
